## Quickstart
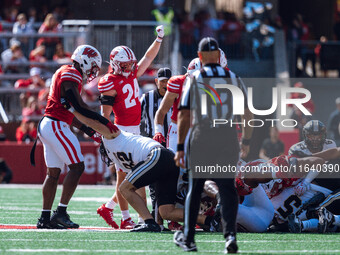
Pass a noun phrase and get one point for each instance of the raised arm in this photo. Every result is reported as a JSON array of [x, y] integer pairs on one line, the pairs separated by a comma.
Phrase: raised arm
[[151, 53]]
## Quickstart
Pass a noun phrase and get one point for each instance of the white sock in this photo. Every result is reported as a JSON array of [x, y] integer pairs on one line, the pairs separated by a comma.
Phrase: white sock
[[336, 220], [111, 204], [62, 205], [125, 214], [140, 219], [45, 210], [310, 225]]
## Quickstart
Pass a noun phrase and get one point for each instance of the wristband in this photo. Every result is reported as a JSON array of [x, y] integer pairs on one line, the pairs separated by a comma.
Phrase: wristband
[[180, 147], [87, 130], [245, 141], [159, 39], [159, 129]]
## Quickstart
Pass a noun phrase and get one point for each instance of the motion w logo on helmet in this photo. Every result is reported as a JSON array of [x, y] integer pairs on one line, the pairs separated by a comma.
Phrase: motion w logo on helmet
[[90, 52]]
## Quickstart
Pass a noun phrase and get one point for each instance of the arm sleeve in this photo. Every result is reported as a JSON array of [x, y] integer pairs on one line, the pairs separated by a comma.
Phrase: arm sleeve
[[83, 111]]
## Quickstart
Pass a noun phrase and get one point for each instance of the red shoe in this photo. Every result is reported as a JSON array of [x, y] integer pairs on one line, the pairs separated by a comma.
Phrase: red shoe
[[107, 215], [127, 224], [172, 225]]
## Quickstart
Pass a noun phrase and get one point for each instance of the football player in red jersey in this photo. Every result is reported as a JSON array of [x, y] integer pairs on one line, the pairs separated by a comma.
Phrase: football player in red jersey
[[120, 94], [60, 144], [171, 99]]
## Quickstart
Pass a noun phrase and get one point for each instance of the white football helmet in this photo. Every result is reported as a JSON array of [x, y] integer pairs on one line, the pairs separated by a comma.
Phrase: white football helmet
[[89, 59], [194, 65], [120, 58], [223, 59]]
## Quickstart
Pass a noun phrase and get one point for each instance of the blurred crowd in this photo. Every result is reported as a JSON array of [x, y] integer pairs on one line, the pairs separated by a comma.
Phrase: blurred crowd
[[312, 53], [251, 36]]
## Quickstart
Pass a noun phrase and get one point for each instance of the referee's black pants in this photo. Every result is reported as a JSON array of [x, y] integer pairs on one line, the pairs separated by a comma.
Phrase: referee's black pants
[[205, 149], [229, 205]]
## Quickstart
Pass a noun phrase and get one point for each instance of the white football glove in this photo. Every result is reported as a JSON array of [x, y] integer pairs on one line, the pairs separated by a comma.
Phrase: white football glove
[[160, 33], [301, 188]]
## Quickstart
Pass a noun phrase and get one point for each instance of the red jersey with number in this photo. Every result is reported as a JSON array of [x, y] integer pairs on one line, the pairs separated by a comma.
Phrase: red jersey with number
[[175, 85], [54, 108], [126, 107]]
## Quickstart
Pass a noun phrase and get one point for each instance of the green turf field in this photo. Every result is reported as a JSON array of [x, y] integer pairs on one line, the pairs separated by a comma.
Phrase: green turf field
[[20, 207]]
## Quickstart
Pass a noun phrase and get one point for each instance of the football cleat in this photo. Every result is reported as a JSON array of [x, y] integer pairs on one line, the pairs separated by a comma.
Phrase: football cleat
[[326, 218], [107, 215], [151, 227], [127, 224], [179, 240], [230, 244], [62, 219], [294, 224], [172, 225], [46, 224]]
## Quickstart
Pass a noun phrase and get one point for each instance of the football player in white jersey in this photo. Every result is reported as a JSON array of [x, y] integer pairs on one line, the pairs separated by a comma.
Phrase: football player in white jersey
[[146, 161], [314, 140]]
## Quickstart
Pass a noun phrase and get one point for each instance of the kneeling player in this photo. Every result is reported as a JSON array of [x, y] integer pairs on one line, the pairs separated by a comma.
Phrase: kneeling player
[[147, 162]]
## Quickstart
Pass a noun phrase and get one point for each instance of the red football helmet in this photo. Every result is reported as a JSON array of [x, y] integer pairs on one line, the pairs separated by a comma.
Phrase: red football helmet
[[123, 60]]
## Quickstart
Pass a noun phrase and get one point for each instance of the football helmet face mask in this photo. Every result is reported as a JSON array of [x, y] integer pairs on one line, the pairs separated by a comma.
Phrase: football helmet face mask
[[89, 59], [123, 60], [314, 135]]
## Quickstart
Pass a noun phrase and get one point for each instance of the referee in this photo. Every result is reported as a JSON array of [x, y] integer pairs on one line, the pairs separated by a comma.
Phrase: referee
[[209, 145], [150, 102]]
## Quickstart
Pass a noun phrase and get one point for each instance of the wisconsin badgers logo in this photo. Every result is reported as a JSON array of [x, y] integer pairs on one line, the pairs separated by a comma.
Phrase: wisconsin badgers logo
[[113, 54], [90, 53]]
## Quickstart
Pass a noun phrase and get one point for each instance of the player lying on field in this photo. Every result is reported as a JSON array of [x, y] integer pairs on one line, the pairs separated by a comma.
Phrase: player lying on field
[[256, 211], [147, 161]]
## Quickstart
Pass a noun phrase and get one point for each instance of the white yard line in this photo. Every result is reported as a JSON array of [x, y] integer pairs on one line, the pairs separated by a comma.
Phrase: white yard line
[[165, 251], [39, 186], [78, 250], [289, 251], [157, 241]]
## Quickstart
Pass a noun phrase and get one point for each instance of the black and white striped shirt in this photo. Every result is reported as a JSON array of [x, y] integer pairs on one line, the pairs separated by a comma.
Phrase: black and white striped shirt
[[219, 102], [150, 103]]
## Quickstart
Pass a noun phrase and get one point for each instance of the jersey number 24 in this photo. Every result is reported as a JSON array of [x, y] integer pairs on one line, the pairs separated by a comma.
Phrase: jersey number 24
[[133, 93]]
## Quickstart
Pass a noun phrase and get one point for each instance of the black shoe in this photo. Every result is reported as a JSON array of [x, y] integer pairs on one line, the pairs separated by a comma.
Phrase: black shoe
[[62, 219], [294, 224], [326, 218], [179, 240], [230, 244], [44, 223], [147, 228]]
